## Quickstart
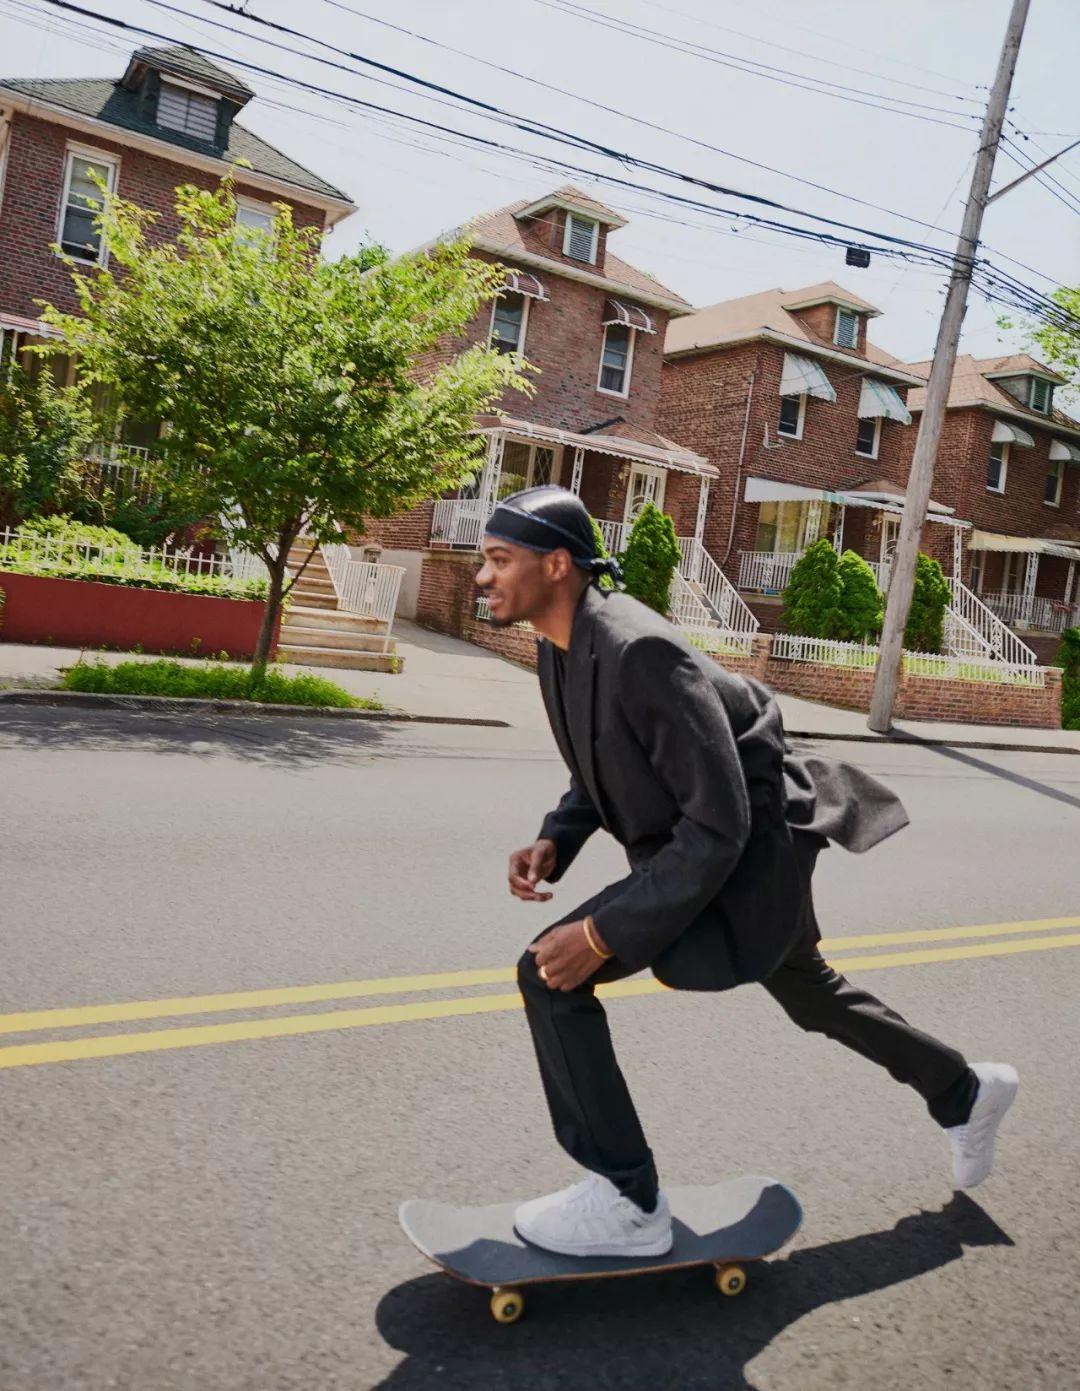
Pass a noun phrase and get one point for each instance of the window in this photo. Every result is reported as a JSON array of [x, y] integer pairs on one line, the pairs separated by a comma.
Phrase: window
[[997, 467], [580, 238], [616, 360], [868, 435], [191, 113], [525, 466], [1039, 397], [785, 528], [509, 315], [1055, 477], [847, 329], [257, 218], [792, 415], [79, 236], [977, 569]]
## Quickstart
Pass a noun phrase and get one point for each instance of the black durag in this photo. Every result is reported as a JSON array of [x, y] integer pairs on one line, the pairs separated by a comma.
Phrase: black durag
[[551, 519]]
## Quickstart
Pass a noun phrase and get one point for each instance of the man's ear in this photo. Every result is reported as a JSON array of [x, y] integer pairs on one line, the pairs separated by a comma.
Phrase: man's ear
[[558, 565]]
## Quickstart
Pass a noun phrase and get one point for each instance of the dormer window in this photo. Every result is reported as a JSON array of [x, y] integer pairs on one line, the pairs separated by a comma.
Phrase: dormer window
[[846, 334], [580, 238], [188, 111], [1039, 395]]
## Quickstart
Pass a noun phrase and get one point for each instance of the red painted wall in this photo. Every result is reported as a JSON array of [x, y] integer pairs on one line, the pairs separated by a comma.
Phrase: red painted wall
[[80, 613]]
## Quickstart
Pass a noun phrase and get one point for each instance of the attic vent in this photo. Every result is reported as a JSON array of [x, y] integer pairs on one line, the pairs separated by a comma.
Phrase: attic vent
[[580, 239], [1040, 395], [192, 113], [847, 329]]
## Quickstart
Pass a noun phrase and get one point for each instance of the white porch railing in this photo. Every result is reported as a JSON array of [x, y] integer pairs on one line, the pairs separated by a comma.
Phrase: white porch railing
[[362, 586], [460, 522], [1033, 611], [998, 641], [726, 606], [767, 571]]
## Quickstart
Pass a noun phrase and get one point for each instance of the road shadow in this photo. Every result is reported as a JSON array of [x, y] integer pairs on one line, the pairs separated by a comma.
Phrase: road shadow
[[273, 740], [1019, 779], [646, 1333]]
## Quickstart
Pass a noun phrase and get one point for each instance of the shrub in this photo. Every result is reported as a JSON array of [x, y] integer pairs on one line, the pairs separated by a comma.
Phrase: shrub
[[3, 601], [65, 530], [606, 582], [45, 433], [812, 599], [651, 556], [861, 603], [929, 600], [209, 681], [1068, 658]]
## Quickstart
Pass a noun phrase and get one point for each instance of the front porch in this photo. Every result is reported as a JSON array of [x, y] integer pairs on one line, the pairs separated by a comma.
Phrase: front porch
[[1030, 582]]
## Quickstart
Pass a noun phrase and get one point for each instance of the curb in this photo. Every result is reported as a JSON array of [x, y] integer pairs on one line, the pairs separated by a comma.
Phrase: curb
[[191, 705], [919, 741]]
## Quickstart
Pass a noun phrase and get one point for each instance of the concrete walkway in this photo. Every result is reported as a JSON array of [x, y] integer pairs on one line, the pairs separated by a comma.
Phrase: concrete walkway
[[443, 676]]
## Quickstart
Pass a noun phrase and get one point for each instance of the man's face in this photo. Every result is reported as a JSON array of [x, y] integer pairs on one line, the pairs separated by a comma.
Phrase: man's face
[[518, 583]]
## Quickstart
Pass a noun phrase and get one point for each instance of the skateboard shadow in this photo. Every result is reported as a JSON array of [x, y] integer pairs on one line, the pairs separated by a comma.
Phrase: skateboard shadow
[[655, 1331]]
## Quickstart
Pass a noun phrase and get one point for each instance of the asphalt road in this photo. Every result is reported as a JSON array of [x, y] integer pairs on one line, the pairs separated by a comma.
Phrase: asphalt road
[[202, 1193]]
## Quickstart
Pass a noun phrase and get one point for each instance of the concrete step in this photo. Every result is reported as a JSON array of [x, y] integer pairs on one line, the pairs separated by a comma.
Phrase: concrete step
[[338, 620], [324, 602], [297, 636], [317, 584], [335, 657]]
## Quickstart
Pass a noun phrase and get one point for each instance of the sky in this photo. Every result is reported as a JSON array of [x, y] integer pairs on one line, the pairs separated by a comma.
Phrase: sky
[[684, 110]]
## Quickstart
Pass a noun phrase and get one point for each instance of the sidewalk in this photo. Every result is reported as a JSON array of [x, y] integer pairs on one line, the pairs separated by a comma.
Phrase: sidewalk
[[444, 676]]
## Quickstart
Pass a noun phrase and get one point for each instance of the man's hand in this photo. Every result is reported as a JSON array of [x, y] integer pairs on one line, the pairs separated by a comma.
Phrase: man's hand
[[527, 867], [564, 957]]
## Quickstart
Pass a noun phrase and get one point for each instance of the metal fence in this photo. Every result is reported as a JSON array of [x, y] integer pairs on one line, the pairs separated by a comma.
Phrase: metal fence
[[362, 586], [46, 552]]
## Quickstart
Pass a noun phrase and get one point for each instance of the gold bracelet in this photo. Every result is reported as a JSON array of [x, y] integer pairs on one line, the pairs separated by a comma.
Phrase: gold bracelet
[[588, 924]]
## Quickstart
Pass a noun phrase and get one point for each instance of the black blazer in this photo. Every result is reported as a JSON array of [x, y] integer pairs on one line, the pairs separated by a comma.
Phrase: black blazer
[[685, 764]]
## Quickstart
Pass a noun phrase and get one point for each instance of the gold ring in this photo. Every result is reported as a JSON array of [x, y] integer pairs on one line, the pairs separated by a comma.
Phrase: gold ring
[[543, 973]]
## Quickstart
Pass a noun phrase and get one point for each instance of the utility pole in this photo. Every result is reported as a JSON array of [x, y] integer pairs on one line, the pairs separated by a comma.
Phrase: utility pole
[[1030, 173], [902, 578]]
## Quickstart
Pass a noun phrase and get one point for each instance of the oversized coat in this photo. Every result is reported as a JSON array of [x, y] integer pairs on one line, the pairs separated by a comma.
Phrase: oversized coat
[[686, 765]]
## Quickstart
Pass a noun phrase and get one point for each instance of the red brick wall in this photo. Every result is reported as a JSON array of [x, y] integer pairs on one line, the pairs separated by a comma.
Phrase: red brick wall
[[447, 604], [410, 531], [821, 322], [703, 406], [34, 186]]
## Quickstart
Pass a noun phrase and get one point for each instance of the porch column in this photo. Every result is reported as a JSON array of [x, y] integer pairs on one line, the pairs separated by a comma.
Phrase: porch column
[[838, 534], [1030, 576], [575, 477], [699, 530], [813, 524], [1069, 581], [489, 482], [957, 554]]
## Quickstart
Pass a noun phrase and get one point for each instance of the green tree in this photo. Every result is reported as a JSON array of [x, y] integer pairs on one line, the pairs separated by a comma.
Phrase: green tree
[[651, 556], [861, 603], [1068, 658], [606, 582], [812, 599], [288, 383], [45, 434], [1058, 347], [929, 600]]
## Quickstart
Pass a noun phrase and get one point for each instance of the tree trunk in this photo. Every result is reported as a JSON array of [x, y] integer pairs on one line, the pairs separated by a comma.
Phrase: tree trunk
[[270, 614]]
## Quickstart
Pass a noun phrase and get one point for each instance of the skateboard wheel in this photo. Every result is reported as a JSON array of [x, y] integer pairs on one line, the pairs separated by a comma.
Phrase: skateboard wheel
[[507, 1306], [730, 1279]]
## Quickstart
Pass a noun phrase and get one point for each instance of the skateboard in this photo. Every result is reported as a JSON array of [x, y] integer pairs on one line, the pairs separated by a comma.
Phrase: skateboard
[[724, 1225]]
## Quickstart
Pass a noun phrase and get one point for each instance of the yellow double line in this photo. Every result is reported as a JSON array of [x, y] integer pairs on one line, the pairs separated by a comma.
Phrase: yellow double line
[[1042, 934]]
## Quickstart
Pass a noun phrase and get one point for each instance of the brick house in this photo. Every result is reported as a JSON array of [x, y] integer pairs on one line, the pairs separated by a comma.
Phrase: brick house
[[807, 423], [170, 119], [1008, 463], [594, 326]]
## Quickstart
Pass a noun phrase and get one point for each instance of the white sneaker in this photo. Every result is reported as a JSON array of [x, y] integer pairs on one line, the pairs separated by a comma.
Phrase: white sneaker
[[592, 1218], [973, 1142]]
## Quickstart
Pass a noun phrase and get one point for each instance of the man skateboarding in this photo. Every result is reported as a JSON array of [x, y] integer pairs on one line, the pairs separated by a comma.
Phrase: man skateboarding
[[685, 764]]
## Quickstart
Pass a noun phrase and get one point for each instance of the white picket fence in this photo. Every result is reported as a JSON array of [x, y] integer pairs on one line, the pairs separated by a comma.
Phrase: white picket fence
[[118, 561], [796, 647]]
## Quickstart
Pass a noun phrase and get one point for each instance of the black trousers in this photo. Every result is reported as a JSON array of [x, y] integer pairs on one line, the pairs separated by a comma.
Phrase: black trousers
[[591, 1109]]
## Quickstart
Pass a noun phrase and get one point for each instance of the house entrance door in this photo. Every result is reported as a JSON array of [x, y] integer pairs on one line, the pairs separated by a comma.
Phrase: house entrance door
[[890, 534], [646, 485]]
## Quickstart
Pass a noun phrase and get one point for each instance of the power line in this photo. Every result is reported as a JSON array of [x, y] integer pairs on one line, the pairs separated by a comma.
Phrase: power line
[[767, 71], [1022, 296], [1056, 190]]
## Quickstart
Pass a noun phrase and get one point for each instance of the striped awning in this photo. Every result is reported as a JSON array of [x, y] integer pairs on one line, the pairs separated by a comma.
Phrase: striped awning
[[803, 377], [879, 398], [632, 315], [992, 541], [1060, 449], [1006, 433], [520, 282]]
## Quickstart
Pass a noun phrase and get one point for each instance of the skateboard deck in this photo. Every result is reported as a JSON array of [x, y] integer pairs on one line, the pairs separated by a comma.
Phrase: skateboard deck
[[725, 1225]]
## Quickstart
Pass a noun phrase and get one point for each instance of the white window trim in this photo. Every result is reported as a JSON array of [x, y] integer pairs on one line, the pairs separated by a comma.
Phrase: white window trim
[[73, 151], [652, 471], [1059, 464], [595, 236], [606, 390], [1005, 449], [168, 80], [877, 440], [836, 328], [520, 349], [5, 144], [255, 205], [783, 434]]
